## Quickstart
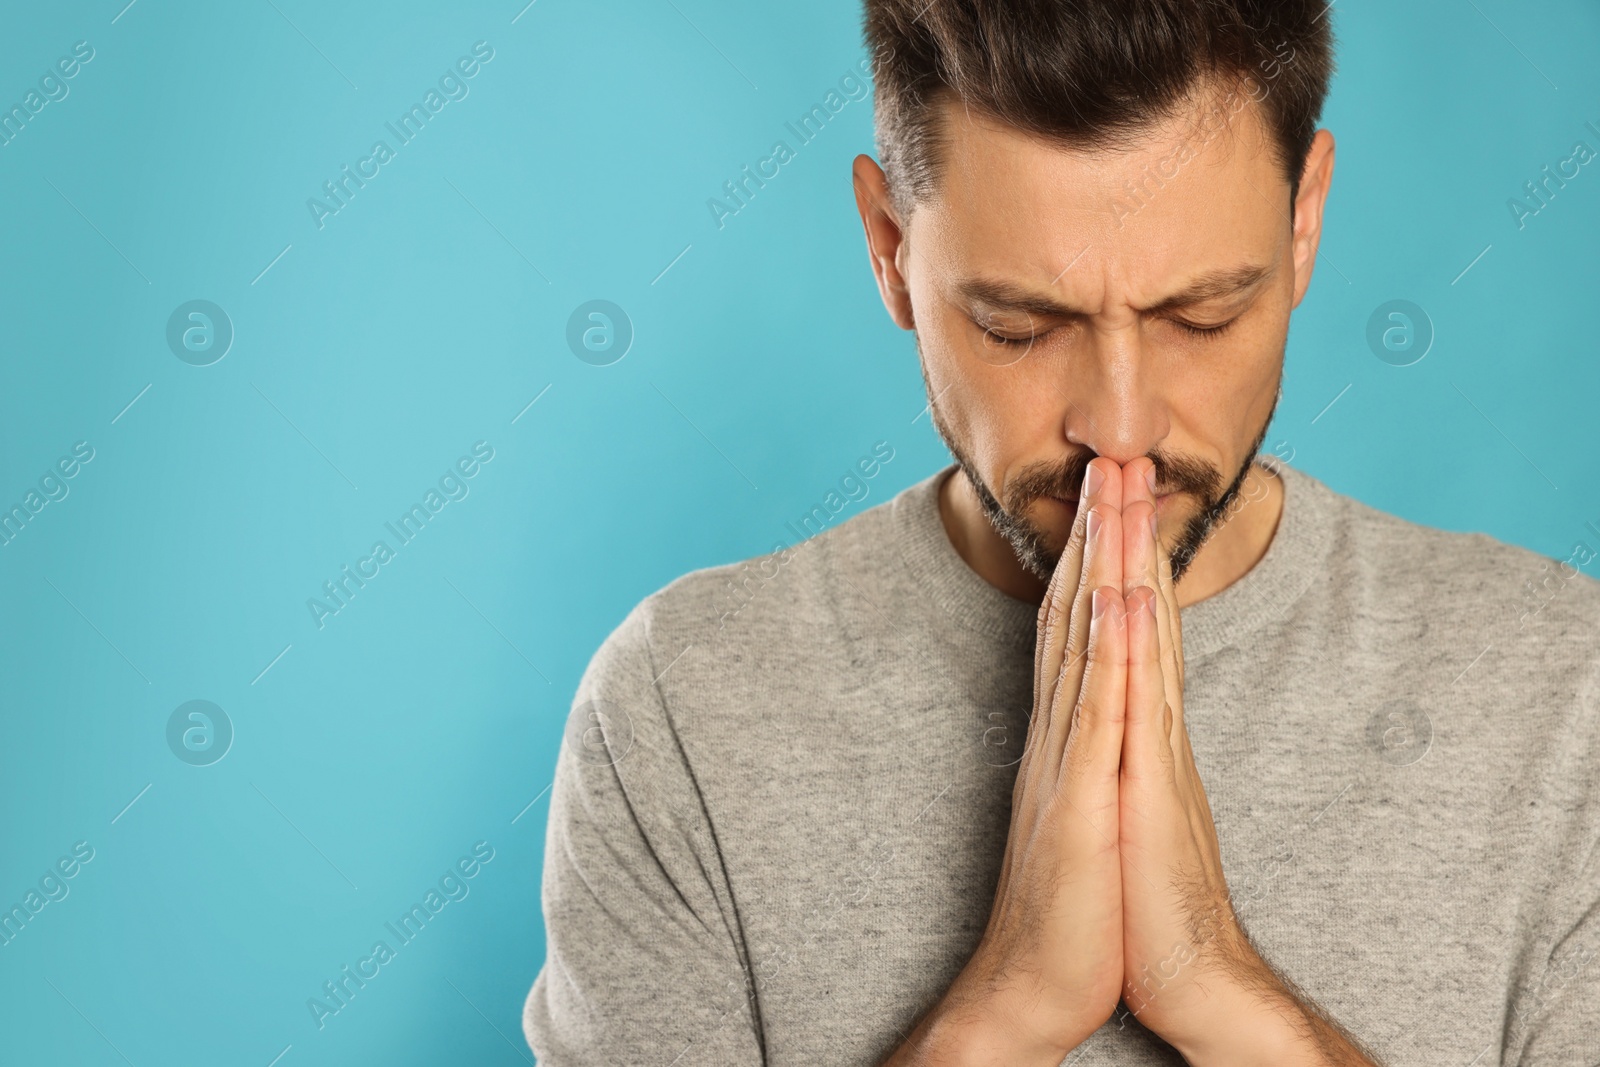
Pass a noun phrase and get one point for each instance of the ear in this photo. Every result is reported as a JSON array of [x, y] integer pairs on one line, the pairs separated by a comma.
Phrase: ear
[[885, 238], [1308, 204]]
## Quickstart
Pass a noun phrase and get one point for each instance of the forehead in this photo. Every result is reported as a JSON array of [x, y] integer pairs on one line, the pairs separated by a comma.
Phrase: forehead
[[1191, 193]]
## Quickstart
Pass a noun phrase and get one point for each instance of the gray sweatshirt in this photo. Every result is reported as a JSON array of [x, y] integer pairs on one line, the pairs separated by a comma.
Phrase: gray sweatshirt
[[780, 806]]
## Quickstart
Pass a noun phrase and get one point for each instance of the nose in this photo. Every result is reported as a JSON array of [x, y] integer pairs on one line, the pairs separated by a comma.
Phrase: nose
[[1115, 406]]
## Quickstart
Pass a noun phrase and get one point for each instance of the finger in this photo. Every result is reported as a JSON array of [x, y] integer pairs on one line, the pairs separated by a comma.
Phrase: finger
[[1159, 578], [1093, 749], [1139, 526], [1146, 748], [1169, 632], [1143, 570], [1171, 628], [1102, 565], [1140, 553], [1047, 734], [1055, 613], [1142, 558]]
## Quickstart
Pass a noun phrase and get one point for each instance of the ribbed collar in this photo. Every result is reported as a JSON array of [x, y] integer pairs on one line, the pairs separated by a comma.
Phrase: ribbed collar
[[1296, 556]]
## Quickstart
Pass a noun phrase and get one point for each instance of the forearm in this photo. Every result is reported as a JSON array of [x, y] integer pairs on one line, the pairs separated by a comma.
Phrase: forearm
[[1267, 1023]]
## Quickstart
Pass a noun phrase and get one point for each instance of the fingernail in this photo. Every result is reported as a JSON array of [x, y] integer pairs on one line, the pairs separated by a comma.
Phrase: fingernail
[[1097, 601], [1092, 521], [1150, 479], [1092, 481], [1155, 524], [1150, 605]]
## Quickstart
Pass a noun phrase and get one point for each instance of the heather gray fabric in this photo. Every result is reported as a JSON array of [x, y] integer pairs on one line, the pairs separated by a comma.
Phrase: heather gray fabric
[[797, 845]]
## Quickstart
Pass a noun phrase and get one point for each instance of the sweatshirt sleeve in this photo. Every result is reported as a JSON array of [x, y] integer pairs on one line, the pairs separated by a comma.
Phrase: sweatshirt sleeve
[[645, 961], [1555, 1015], [1560, 1014]]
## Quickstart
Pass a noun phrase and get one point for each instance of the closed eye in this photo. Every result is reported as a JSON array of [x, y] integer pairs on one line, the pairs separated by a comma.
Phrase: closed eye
[[1202, 331], [1002, 339], [1021, 334]]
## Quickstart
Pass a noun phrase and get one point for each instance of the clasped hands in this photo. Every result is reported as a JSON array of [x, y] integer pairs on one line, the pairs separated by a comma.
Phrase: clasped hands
[[1111, 887]]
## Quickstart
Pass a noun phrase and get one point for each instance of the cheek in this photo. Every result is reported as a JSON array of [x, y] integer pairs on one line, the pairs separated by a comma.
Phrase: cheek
[[1221, 395], [1253, 387], [941, 335], [999, 416], [1004, 429], [947, 369]]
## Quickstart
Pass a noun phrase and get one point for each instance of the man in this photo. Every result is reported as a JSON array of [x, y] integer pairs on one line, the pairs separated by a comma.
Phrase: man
[[1117, 741]]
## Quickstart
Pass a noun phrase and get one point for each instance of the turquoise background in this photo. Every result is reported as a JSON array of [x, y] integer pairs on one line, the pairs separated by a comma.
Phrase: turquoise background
[[369, 354]]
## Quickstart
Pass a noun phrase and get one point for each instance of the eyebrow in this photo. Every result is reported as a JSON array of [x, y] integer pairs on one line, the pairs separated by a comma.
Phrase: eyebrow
[[1212, 285]]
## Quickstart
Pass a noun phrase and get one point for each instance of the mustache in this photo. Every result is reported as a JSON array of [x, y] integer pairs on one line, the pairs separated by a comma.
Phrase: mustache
[[1064, 480]]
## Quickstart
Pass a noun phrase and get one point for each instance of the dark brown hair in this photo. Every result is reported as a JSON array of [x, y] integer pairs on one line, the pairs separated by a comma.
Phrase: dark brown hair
[[1088, 74]]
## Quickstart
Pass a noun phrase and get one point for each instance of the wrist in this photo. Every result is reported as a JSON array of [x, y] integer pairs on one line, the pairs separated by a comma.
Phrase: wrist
[[978, 1022], [960, 1039], [1243, 1024]]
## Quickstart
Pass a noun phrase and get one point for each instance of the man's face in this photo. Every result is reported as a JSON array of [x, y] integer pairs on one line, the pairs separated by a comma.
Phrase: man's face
[[1056, 293]]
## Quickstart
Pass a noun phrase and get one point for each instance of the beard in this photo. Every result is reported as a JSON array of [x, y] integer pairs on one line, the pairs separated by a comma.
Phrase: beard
[[1174, 473]]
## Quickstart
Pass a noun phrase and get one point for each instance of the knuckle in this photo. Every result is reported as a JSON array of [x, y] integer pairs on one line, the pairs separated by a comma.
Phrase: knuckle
[[1090, 716], [1075, 759]]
